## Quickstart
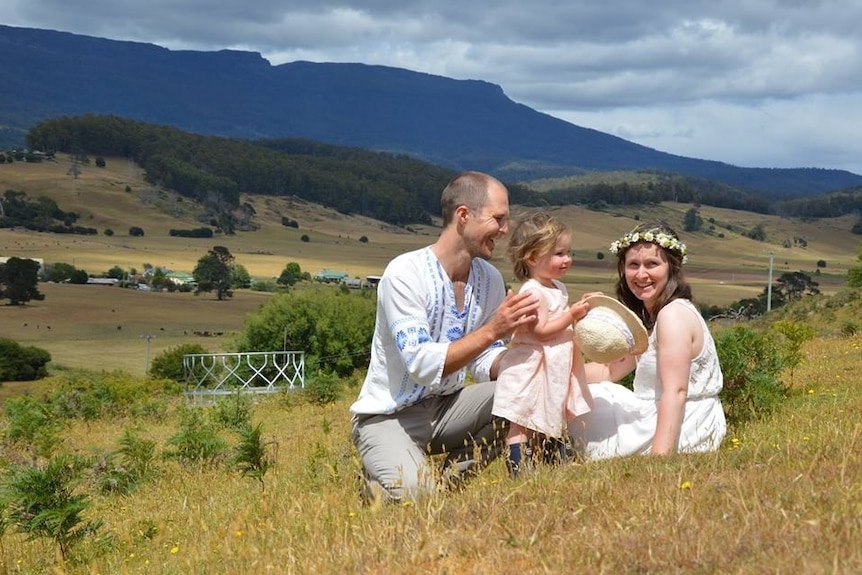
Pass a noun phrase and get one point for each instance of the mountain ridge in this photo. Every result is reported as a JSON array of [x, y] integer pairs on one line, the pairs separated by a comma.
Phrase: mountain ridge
[[240, 94]]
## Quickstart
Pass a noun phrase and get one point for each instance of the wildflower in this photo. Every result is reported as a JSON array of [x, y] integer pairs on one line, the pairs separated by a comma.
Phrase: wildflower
[[810, 392], [735, 442], [175, 549], [352, 514], [685, 485]]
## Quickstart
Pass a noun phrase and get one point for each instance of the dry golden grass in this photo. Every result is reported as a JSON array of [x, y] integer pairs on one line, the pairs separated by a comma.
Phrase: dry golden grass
[[781, 496]]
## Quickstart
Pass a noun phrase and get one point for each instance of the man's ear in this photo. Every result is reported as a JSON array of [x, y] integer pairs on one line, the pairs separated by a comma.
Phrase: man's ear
[[461, 213]]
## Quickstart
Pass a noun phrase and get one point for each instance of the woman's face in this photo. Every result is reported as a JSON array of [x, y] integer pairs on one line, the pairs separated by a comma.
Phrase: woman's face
[[647, 271]]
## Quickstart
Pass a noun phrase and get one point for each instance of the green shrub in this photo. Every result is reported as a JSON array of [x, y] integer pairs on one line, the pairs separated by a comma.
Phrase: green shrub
[[323, 388], [333, 328], [751, 364], [169, 363], [253, 456], [22, 363], [267, 286], [45, 502], [129, 466], [849, 328], [89, 396], [794, 335], [197, 442], [30, 421], [233, 411]]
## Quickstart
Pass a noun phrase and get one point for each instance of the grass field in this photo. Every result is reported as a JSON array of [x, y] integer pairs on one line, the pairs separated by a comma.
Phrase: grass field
[[782, 495]]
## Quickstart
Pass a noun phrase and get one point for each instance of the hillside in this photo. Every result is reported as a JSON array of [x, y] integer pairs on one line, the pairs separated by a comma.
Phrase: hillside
[[47, 74], [724, 269]]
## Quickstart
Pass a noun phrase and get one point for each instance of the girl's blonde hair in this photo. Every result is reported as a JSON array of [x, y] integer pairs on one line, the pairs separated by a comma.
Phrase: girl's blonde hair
[[532, 237]]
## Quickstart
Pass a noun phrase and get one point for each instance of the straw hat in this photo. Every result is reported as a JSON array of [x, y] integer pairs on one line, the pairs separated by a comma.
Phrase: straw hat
[[610, 331]]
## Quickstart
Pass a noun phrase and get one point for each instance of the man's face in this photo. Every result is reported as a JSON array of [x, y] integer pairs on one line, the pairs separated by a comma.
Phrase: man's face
[[486, 225]]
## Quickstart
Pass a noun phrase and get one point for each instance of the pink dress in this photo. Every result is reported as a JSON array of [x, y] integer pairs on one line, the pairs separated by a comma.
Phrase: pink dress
[[537, 387]]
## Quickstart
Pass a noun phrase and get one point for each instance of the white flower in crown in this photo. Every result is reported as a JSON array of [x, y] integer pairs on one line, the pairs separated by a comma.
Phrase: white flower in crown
[[659, 238]]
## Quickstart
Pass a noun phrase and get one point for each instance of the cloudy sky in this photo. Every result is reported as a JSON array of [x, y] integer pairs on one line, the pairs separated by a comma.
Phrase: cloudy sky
[[762, 83]]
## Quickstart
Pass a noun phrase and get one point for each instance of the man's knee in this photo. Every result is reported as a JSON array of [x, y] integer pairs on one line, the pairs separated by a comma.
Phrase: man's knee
[[396, 487]]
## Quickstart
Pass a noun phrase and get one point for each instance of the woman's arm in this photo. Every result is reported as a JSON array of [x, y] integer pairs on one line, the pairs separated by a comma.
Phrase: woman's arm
[[676, 330]]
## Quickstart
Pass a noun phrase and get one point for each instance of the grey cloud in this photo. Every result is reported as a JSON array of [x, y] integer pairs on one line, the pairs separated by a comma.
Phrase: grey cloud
[[593, 58]]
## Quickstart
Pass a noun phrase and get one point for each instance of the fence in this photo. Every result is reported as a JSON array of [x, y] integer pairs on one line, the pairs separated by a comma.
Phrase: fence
[[209, 375]]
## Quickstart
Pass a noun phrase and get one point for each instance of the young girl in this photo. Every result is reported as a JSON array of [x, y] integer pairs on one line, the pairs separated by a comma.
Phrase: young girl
[[542, 381]]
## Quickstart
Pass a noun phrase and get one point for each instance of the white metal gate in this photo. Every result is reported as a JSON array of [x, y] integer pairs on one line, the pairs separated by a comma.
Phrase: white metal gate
[[213, 374]]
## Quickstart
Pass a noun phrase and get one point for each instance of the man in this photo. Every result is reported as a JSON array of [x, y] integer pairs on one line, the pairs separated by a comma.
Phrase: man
[[442, 311]]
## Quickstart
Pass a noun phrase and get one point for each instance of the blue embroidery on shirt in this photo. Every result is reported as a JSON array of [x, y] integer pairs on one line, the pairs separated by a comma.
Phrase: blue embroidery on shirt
[[423, 336], [455, 333], [400, 339]]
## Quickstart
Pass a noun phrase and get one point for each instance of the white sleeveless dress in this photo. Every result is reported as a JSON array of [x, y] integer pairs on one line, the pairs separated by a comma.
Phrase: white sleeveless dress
[[623, 422]]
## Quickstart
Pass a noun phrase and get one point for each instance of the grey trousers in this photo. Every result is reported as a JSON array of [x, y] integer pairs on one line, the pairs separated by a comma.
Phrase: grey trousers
[[395, 448]]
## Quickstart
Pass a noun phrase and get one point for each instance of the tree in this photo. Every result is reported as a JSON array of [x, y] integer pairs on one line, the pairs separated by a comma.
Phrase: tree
[[79, 277], [135, 231], [59, 272], [18, 281], [793, 285], [116, 272], [169, 363], [692, 221], [291, 274], [22, 363], [159, 280], [757, 233], [213, 272], [240, 278]]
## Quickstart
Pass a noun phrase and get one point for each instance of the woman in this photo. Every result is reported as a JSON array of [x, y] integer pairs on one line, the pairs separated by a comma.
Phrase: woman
[[674, 405]]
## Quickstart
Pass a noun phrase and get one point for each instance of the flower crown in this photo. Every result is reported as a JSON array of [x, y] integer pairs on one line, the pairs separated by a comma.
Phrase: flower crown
[[656, 237]]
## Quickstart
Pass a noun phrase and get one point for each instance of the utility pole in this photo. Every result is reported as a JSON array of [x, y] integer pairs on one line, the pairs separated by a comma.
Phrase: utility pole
[[769, 285], [148, 337]]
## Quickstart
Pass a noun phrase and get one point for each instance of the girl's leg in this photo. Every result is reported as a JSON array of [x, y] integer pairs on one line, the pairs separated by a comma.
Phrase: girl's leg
[[519, 450]]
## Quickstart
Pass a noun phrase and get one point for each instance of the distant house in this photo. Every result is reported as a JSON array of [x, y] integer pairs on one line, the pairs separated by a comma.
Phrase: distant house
[[103, 281], [181, 279], [372, 281], [330, 276], [352, 283]]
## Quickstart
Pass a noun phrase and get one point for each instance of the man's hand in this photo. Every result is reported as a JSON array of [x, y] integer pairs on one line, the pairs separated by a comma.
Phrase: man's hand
[[516, 311]]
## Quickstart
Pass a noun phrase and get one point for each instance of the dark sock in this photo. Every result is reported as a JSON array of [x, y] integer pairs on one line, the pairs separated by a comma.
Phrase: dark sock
[[513, 460], [519, 456]]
